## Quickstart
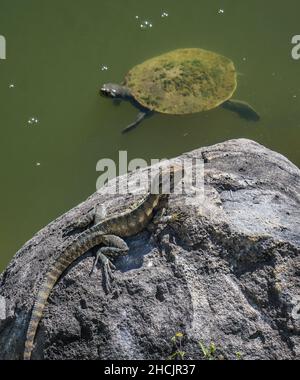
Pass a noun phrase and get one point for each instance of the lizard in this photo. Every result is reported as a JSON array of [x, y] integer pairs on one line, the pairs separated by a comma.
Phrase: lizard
[[109, 233]]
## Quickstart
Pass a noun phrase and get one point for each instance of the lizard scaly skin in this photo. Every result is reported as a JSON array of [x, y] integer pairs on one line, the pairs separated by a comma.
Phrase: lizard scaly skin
[[107, 232]]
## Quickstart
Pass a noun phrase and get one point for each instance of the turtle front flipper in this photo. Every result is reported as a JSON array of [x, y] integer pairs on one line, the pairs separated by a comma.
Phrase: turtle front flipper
[[140, 117], [243, 109]]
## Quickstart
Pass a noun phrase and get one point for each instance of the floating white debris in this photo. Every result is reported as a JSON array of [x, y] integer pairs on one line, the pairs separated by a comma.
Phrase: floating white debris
[[244, 59], [294, 96], [33, 120], [104, 68], [164, 14], [146, 25], [221, 11], [137, 17], [11, 85], [37, 164]]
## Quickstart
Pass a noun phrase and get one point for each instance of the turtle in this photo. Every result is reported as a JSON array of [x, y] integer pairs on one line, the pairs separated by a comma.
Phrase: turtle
[[183, 81]]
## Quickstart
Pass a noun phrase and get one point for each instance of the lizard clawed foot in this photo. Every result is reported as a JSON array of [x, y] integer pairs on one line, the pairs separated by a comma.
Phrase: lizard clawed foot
[[162, 220], [175, 217], [117, 247], [107, 267]]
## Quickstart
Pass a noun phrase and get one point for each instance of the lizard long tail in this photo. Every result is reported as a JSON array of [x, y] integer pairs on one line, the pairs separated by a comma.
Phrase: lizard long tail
[[84, 242], [37, 313]]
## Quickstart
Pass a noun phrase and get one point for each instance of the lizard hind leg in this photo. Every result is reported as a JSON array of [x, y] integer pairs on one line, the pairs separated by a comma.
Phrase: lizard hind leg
[[107, 266], [117, 247]]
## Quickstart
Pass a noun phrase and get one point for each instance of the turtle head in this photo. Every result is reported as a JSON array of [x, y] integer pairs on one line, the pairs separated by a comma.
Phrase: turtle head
[[115, 91]]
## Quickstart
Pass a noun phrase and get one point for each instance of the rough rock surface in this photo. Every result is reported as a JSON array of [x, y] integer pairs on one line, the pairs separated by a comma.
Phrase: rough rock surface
[[229, 274]]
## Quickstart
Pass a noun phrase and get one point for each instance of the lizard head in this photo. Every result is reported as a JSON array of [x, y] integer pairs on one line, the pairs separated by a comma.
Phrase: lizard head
[[168, 178]]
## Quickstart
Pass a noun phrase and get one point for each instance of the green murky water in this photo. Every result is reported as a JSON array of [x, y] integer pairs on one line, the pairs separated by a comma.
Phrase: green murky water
[[55, 52]]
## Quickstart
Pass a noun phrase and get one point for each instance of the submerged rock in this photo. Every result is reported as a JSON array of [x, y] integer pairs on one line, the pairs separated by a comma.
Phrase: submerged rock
[[228, 275]]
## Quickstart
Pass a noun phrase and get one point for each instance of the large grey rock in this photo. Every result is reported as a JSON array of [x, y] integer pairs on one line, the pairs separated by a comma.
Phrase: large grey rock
[[229, 274]]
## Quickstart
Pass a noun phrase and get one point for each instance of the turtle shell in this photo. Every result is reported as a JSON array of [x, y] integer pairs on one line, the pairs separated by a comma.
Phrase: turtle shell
[[183, 81]]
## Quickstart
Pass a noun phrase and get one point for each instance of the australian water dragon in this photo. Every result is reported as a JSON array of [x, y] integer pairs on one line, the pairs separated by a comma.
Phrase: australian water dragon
[[108, 234]]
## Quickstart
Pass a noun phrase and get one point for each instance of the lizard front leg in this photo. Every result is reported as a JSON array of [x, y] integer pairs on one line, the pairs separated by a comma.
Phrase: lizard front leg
[[114, 247], [94, 216], [81, 223], [161, 219]]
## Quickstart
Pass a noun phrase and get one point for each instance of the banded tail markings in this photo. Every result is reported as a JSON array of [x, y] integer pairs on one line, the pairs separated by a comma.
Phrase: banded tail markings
[[71, 253]]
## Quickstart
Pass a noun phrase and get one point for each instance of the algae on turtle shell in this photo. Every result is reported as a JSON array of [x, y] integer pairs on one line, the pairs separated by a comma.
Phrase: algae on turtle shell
[[180, 82], [183, 81]]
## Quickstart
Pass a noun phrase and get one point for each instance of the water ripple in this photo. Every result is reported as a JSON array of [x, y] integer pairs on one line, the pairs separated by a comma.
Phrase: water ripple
[[146, 25], [32, 120]]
